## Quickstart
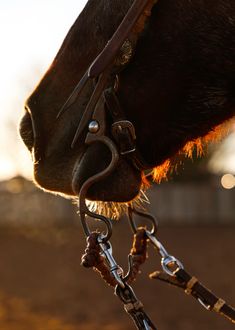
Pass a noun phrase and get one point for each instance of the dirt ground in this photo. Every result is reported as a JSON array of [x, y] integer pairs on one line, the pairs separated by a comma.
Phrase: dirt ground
[[43, 286]]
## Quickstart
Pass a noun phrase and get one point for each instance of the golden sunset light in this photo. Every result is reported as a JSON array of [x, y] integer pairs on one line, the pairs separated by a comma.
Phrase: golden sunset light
[[117, 164], [31, 33]]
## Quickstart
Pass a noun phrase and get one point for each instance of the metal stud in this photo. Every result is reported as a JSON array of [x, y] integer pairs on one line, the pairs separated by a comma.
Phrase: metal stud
[[93, 126]]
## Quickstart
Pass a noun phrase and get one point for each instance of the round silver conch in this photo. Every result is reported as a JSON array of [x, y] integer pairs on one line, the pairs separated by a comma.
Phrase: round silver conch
[[93, 126]]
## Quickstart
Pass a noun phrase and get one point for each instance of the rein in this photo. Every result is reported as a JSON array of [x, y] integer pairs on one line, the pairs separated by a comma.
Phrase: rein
[[99, 255]]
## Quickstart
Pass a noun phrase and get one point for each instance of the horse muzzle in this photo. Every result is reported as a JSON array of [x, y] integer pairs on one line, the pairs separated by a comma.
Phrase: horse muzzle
[[26, 131], [106, 176]]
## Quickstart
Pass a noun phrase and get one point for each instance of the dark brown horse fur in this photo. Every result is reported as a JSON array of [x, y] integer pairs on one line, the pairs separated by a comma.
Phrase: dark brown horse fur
[[179, 86]]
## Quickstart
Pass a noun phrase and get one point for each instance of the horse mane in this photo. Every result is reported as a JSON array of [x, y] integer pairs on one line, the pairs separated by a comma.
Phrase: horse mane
[[163, 172], [200, 145]]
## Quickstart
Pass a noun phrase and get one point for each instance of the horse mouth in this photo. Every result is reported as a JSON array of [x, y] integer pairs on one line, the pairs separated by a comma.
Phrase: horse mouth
[[121, 185], [68, 175]]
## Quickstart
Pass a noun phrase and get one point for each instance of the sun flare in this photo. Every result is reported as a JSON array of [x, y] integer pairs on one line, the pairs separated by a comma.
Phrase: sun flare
[[29, 42]]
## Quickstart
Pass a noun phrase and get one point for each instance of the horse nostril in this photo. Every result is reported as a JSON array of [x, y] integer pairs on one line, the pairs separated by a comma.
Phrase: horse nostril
[[26, 130]]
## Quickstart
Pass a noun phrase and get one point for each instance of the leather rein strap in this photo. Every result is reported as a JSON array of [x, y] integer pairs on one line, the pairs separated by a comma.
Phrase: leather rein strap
[[191, 285]]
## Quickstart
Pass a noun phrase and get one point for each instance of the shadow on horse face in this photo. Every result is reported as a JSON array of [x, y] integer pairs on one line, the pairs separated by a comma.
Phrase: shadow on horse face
[[179, 85], [49, 139]]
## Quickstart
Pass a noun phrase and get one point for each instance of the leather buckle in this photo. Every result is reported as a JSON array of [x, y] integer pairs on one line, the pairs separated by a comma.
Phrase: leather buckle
[[123, 132]]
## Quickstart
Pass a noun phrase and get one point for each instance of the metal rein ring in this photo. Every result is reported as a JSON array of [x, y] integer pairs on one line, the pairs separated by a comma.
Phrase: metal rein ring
[[148, 216]]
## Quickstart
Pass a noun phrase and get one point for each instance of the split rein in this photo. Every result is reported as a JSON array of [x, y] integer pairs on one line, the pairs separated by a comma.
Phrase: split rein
[[99, 254]]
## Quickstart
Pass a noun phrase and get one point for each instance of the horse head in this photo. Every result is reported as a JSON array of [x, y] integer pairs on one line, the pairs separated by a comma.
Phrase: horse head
[[178, 86]]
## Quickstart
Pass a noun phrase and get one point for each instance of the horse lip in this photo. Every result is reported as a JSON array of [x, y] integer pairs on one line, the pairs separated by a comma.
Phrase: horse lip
[[110, 188]]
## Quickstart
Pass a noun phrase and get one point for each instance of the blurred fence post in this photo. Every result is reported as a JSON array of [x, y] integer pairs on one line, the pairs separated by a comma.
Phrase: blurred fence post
[[21, 203]]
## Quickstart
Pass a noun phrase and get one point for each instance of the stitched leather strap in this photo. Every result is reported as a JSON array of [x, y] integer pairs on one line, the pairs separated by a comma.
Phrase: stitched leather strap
[[136, 14], [123, 131], [193, 287]]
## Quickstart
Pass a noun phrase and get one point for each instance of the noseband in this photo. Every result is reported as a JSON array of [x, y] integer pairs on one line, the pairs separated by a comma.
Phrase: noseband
[[104, 71]]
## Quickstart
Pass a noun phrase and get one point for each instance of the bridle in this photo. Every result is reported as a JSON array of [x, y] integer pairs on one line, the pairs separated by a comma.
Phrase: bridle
[[104, 71]]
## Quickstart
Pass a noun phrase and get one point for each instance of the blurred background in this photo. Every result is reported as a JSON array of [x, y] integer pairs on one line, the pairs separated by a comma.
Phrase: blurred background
[[42, 285]]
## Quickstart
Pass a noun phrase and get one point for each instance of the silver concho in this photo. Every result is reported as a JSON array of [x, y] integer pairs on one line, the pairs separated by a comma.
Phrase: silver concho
[[125, 54], [93, 126]]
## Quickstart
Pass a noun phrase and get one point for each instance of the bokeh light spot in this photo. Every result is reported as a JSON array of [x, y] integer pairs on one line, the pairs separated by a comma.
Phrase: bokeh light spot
[[228, 181]]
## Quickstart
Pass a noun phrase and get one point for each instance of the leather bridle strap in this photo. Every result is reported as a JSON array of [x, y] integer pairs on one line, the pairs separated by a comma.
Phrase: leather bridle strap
[[107, 56], [100, 86], [109, 53], [123, 131], [104, 67]]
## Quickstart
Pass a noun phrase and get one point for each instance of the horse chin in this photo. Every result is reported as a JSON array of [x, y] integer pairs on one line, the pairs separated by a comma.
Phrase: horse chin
[[122, 185]]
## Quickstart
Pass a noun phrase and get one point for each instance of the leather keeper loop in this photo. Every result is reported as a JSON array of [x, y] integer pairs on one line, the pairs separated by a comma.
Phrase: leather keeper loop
[[218, 305], [190, 285]]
